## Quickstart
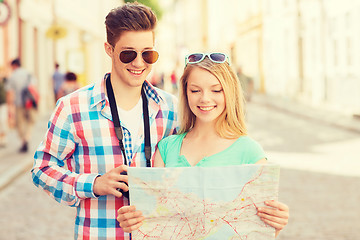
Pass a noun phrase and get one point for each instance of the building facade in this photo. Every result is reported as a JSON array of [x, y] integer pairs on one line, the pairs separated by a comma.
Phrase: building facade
[[311, 52], [43, 32], [307, 50]]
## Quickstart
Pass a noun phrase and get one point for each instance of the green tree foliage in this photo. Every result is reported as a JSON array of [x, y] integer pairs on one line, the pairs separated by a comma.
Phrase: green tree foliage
[[153, 4]]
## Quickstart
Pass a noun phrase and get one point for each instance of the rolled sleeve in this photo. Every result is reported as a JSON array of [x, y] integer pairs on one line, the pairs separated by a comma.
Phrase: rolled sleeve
[[84, 186]]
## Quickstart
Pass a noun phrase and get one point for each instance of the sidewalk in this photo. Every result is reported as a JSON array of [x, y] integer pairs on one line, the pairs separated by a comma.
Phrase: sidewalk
[[329, 118], [13, 163]]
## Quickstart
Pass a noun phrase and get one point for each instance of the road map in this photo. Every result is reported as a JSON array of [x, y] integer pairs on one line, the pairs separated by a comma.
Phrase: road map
[[209, 203]]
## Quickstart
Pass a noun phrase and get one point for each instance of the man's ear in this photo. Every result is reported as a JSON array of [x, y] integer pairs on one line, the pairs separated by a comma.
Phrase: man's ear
[[108, 49]]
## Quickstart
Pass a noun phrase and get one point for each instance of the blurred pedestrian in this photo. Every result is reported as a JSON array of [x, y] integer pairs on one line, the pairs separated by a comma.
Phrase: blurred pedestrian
[[69, 85], [87, 147], [19, 80], [162, 81], [58, 79], [3, 109], [247, 83], [155, 79], [174, 81]]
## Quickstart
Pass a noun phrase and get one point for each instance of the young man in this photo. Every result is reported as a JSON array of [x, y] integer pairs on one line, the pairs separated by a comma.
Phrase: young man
[[24, 118], [80, 161], [58, 79]]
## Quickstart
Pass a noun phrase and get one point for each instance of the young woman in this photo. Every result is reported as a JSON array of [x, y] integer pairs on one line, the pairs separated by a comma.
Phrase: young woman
[[212, 131]]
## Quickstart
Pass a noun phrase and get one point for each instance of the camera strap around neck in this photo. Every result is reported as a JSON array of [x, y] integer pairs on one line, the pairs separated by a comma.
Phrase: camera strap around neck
[[116, 120]]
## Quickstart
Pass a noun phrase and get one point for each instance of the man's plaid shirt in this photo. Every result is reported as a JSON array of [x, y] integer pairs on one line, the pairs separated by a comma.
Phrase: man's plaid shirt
[[80, 144]]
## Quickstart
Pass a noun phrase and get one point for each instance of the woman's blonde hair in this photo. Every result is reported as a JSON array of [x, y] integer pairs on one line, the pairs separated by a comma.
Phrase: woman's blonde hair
[[231, 122]]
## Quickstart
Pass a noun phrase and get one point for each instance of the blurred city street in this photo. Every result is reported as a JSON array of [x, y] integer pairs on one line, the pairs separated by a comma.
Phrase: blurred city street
[[300, 58], [319, 181], [320, 161]]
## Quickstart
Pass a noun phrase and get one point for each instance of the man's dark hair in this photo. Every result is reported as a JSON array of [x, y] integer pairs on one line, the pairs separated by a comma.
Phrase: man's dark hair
[[129, 17], [16, 62]]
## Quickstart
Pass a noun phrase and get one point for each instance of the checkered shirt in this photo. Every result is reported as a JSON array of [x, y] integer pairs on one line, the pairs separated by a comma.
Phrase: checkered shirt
[[80, 144]]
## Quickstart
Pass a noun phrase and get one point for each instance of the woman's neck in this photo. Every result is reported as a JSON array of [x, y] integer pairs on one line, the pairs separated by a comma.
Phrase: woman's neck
[[203, 130]]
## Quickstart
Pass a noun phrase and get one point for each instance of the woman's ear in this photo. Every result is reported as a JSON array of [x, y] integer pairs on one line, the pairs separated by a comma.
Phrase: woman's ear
[[108, 49]]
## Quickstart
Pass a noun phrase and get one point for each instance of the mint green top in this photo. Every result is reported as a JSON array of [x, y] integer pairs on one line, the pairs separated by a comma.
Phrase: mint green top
[[244, 150]]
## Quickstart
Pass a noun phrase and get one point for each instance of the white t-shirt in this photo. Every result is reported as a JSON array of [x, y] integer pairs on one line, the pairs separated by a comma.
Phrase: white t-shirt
[[132, 120]]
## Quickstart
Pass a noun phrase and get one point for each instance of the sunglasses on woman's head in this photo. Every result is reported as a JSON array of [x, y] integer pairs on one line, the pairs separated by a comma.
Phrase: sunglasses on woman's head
[[198, 57], [149, 56]]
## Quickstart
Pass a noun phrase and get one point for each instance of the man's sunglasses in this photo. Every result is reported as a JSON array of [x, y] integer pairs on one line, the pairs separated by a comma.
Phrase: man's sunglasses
[[198, 57], [149, 56]]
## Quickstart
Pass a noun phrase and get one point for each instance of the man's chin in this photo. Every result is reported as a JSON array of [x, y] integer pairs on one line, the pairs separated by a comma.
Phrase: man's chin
[[136, 82]]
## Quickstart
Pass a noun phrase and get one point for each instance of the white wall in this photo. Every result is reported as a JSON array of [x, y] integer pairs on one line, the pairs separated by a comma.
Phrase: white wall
[[343, 48]]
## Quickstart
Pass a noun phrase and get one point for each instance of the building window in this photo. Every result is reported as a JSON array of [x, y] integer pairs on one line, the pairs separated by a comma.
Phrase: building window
[[268, 6], [285, 3], [348, 22], [335, 51], [348, 50], [332, 26]]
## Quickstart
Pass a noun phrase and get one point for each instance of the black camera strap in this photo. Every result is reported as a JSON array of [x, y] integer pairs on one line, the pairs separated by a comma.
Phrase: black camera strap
[[116, 120]]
